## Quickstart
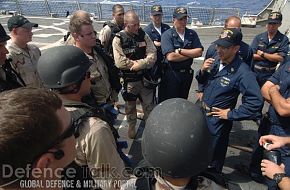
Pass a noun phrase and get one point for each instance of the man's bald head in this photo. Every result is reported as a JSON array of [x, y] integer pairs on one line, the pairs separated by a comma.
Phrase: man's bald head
[[80, 14], [130, 16], [233, 22], [131, 22]]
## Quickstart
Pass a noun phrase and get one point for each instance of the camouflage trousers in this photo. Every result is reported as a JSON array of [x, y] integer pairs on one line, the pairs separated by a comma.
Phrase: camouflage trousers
[[146, 99]]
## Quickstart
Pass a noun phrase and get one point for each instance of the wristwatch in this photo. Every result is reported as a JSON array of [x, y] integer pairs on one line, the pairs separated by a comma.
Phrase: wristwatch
[[179, 50], [263, 54], [278, 177]]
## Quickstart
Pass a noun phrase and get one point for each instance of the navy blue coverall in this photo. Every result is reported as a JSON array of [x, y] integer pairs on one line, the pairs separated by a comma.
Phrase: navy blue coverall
[[279, 44], [221, 90], [177, 77]]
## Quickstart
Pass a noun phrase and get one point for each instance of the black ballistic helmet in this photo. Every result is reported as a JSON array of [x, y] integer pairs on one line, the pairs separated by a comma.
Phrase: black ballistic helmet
[[176, 139], [61, 66]]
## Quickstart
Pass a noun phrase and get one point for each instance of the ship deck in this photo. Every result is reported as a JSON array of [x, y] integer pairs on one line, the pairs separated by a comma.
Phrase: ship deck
[[51, 31]]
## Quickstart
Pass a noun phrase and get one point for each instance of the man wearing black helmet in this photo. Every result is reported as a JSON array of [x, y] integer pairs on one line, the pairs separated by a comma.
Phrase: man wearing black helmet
[[65, 69], [174, 152], [8, 77]]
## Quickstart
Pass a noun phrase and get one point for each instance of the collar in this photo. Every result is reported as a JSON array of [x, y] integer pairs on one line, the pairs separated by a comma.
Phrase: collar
[[94, 53], [114, 22], [19, 50], [278, 37], [229, 68]]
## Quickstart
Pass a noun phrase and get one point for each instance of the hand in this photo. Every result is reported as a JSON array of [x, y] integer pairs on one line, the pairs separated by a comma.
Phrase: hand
[[156, 43], [199, 95], [218, 112], [135, 66], [259, 52], [275, 141], [273, 89], [207, 64], [269, 168]]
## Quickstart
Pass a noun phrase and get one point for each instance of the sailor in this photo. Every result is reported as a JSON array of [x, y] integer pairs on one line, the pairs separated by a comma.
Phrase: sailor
[[245, 52], [270, 48], [179, 46], [224, 79], [155, 29]]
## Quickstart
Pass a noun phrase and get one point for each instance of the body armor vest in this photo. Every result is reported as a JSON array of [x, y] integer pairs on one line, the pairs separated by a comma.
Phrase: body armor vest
[[114, 30], [134, 48]]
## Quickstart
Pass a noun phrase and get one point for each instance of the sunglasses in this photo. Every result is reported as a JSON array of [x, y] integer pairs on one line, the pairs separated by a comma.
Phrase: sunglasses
[[73, 129]]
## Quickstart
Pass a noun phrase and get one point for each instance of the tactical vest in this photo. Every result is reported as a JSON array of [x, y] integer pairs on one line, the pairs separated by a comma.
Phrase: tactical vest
[[114, 30], [113, 71], [85, 111], [134, 48], [79, 115]]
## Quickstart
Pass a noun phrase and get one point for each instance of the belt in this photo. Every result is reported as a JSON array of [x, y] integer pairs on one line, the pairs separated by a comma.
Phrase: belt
[[190, 71], [261, 68]]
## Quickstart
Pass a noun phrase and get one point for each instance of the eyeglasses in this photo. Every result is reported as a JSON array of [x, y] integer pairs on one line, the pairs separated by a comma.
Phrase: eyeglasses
[[89, 34], [73, 129]]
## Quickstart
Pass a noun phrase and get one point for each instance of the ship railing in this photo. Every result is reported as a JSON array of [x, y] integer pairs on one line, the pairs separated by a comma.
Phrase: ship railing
[[103, 11]]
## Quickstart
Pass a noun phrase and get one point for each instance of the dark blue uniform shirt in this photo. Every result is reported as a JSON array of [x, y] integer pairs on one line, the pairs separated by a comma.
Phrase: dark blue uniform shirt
[[153, 33], [155, 36], [245, 52], [221, 89], [279, 124], [170, 41], [282, 78], [279, 44]]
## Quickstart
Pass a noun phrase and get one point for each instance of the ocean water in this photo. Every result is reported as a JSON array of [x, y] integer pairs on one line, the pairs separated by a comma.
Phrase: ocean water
[[251, 7]]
